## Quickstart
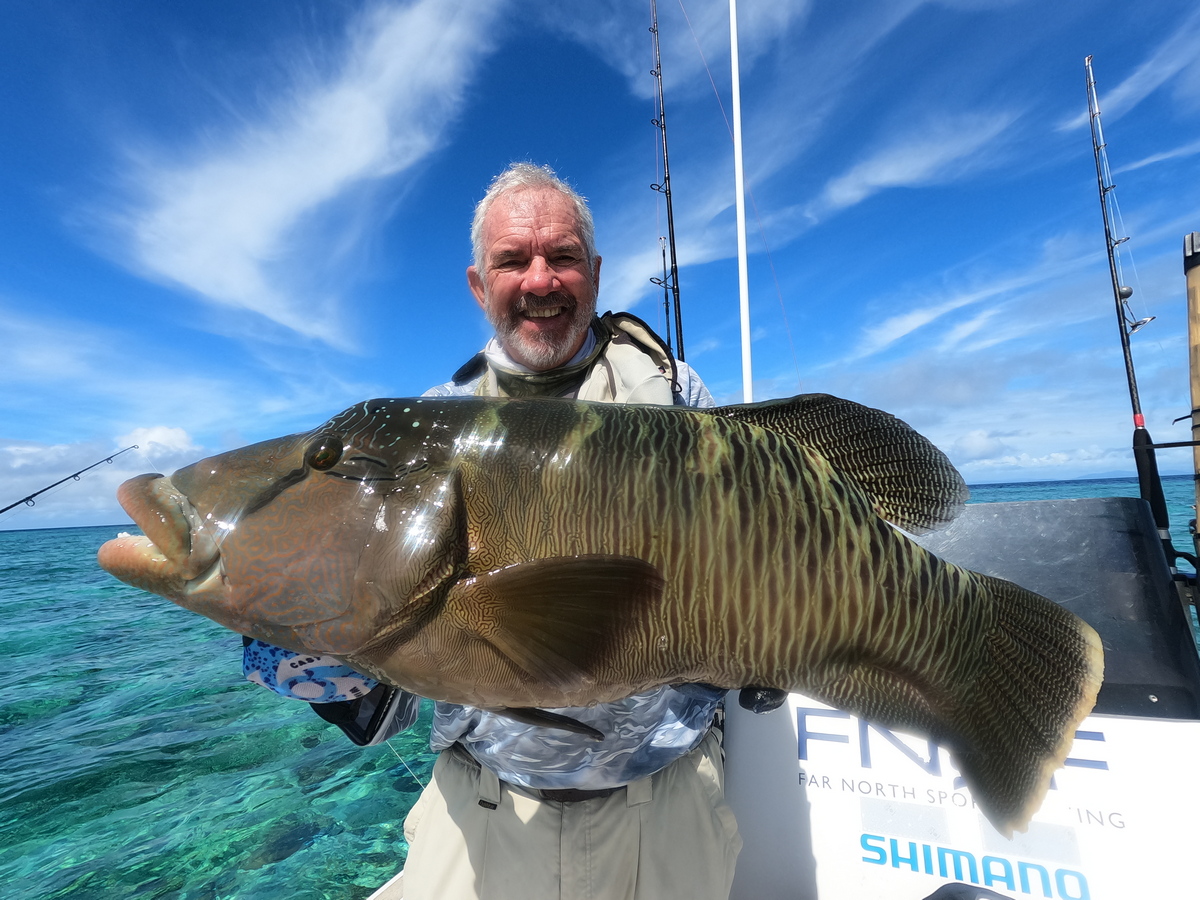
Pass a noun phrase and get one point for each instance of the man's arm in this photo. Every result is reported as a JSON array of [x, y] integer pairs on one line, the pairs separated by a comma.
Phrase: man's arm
[[692, 391]]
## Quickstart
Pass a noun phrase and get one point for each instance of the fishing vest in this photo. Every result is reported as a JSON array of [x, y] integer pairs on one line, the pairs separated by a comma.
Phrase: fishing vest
[[629, 364]]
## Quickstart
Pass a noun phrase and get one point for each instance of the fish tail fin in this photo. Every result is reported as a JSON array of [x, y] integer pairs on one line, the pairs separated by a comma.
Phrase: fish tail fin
[[1039, 672]]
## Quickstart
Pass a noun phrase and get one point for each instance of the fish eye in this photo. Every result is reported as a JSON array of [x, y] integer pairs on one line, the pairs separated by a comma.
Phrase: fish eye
[[324, 452]]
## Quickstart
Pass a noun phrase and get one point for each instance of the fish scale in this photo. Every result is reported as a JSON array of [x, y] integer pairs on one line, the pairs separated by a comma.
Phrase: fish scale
[[519, 554], [710, 587]]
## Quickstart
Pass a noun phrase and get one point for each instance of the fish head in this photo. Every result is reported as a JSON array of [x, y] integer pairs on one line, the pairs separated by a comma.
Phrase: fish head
[[312, 541]]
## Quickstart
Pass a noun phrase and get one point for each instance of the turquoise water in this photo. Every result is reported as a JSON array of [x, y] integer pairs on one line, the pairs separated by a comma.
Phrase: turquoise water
[[135, 761]]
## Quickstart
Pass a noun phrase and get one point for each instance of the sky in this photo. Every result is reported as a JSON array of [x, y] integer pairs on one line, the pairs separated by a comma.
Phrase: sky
[[225, 222]]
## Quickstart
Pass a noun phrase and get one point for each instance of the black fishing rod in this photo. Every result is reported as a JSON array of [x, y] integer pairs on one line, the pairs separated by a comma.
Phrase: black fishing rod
[[1149, 483], [28, 501], [670, 280]]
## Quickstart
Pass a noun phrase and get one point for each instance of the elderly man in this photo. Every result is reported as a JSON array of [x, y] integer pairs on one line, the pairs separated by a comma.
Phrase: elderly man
[[524, 809]]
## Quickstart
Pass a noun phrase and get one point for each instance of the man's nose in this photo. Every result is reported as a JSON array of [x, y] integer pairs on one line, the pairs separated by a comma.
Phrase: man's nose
[[540, 279]]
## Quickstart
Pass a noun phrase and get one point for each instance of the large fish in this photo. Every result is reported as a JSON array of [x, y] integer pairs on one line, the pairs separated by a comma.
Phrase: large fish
[[546, 553]]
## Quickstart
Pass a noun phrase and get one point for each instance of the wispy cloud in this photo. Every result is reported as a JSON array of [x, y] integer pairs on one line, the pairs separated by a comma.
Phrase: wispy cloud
[[106, 381], [814, 67], [941, 150], [238, 222], [690, 36], [27, 467], [1179, 52], [878, 337], [997, 386], [1186, 150]]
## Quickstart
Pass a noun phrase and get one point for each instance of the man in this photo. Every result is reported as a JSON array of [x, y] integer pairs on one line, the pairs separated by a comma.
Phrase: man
[[525, 810]]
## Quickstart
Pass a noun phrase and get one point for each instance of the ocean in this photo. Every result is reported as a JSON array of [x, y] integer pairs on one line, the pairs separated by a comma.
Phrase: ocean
[[135, 761]]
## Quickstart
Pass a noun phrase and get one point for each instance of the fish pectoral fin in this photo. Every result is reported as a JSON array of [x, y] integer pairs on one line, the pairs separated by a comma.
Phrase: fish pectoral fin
[[531, 715], [910, 482], [556, 619]]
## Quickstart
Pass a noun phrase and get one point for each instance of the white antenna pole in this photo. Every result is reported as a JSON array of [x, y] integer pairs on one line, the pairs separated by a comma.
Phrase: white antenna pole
[[740, 191]]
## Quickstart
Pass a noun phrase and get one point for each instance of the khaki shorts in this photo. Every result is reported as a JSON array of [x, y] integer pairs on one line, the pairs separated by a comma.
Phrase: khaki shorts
[[666, 836]]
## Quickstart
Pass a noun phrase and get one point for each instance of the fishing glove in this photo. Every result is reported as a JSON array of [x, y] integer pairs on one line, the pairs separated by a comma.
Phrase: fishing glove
[[367, 711]]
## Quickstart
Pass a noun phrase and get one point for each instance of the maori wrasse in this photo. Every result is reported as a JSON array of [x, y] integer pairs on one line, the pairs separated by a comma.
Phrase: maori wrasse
[[547, 553]]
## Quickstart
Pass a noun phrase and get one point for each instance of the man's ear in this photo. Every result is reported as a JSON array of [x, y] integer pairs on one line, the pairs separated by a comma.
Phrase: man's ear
[[596, 275], [477, 287]]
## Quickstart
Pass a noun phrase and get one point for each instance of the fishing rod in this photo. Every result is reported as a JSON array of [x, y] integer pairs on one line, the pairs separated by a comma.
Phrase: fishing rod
[[1149, 483], [28, 501], [670, 280]]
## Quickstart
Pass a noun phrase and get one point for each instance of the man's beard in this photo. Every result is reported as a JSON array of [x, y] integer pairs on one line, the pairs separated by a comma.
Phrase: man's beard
[[543, 350]]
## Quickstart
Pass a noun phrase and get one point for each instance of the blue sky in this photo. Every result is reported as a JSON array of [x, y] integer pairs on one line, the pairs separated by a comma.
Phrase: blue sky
[[223, 222]]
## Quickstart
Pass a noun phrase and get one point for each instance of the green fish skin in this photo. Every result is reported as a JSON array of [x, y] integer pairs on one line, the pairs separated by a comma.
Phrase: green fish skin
[[548, 553]]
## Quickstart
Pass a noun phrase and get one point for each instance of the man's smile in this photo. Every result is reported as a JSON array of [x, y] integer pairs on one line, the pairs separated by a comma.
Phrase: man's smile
[[545, 313]]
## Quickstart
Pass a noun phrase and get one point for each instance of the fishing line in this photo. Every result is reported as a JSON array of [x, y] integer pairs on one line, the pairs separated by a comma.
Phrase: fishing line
[[1121, 252], [403, 763]]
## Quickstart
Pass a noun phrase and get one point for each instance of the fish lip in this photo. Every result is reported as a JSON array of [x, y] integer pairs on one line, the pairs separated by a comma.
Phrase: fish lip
[[212, 577], [171, 523]]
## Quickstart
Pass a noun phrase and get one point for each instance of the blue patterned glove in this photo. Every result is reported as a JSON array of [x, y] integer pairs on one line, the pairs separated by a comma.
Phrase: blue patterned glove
[[302, 676]]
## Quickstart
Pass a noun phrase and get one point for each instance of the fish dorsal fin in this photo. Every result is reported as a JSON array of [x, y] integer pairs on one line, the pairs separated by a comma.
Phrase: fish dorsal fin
[[556, 619], [910, 481]]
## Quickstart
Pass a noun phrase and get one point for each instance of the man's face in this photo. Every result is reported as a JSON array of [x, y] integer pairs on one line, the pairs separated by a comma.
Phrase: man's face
[[535, 287]]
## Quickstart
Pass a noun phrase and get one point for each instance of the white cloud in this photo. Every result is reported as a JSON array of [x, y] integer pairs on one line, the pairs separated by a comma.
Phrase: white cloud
[[876, 338], [617, 30], [161, 437], [71, 379], [1046, 293], [1186, 150], [1178, 53], [942, 150], [977, 444], [809, 71], [1032, 406], [963, 330], [708, 345], [227, 223], [39, 351], [27, 467]]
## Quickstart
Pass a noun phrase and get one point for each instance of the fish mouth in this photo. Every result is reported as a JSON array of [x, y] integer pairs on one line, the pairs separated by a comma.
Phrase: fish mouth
[[178, 556]]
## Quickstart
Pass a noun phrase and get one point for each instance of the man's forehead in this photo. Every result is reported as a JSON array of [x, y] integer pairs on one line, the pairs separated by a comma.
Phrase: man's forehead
[[541, 209]]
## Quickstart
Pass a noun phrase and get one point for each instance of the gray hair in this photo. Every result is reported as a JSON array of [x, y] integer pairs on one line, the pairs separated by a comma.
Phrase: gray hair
[[526, 176]]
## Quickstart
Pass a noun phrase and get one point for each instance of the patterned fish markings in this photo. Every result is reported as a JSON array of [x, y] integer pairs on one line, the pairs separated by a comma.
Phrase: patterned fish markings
[[546, 553]]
